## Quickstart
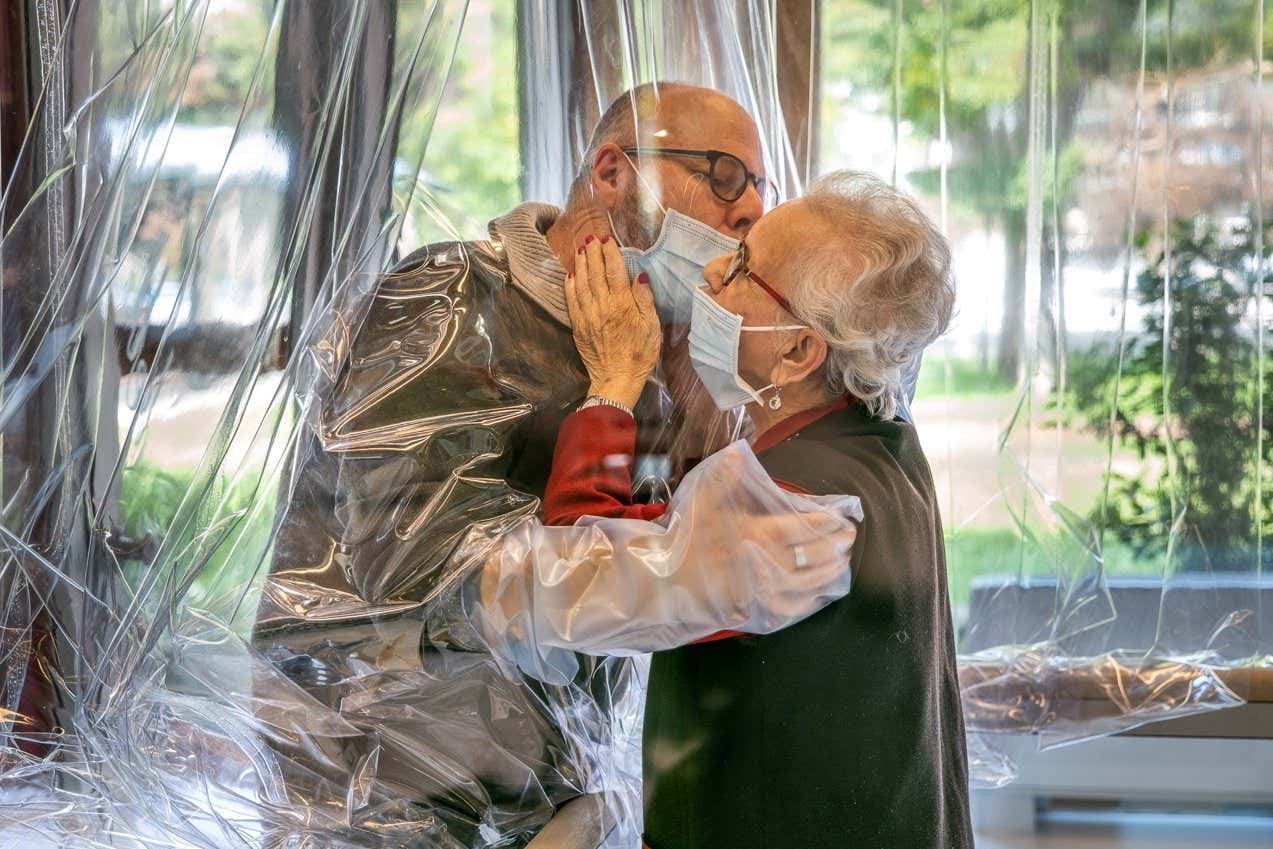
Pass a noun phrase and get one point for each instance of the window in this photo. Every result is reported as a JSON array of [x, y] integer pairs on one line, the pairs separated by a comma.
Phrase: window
[[1094, 415], [472, 166]]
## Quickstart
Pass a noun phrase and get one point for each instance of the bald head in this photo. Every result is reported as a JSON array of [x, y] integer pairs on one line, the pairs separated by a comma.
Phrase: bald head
[[665, 115], [669, 115]]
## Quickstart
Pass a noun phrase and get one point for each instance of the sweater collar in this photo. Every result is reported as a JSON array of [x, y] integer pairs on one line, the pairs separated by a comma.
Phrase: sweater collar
[[792, 425], [533, 267]]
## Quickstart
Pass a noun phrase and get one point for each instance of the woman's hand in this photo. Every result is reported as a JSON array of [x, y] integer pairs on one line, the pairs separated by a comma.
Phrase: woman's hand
[[615, 326]]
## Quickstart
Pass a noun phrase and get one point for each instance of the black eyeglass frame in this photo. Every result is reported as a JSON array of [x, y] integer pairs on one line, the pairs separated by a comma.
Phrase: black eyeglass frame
[[764, 187]]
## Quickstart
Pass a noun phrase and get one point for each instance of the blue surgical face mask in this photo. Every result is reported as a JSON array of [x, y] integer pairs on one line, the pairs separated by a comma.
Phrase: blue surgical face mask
[[714, 336], [675, 263], [676, 260]]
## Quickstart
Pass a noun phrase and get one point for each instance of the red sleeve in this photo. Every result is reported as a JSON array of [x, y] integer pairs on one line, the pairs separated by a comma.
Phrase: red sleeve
[[592, 475], [592, 469]]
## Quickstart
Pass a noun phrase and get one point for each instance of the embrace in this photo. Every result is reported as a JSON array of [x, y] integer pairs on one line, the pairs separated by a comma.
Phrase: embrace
[[665, 421]]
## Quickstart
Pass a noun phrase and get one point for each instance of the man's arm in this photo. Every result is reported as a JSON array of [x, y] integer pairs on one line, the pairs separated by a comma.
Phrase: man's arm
[[415, 416]]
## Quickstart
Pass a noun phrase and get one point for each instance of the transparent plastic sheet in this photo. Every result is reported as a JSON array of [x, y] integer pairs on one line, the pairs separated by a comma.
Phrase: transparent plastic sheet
[[206, 204], [257, 440], [1096, 416], [1116, 652]]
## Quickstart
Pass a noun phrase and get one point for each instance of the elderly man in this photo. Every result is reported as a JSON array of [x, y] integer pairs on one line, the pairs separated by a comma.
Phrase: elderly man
[[844, 729], [437, 426]]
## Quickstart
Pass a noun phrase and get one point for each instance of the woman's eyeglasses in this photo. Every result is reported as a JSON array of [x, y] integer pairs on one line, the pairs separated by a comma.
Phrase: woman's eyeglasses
[[727, 175], [738, 268]]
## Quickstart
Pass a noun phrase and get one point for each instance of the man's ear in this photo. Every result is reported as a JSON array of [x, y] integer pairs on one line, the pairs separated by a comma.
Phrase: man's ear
[[798, 358], [609, 175]]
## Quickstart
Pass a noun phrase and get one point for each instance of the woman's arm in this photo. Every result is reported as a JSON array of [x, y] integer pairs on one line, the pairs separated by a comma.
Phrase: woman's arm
[[732, 552], [616, 330], [592, 469], [592, 475]]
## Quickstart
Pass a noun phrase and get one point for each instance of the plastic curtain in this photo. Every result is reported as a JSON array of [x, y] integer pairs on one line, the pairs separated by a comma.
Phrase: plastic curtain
[[229, 582], [200, 200]]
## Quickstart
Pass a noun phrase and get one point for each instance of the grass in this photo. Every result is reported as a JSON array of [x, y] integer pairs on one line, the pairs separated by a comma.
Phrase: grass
[[941, 377], [228, 534], [225, 533], [974, 552]]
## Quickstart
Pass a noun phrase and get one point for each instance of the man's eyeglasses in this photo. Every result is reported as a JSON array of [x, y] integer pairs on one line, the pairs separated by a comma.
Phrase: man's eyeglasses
[[726, 174], [738, 268]]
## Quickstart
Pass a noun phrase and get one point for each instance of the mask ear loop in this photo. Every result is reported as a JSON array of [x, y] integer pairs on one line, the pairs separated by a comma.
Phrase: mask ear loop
[[775, 400], [653, 195], [698, 180]]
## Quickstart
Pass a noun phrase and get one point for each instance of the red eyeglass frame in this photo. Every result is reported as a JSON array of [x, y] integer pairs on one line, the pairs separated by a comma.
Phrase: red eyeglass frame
[[739, 267]]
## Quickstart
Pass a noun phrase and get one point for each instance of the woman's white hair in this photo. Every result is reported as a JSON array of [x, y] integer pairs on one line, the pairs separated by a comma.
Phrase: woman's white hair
[[879, 292]]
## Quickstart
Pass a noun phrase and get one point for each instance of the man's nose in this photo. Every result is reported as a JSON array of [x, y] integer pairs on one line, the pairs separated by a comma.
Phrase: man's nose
[[745, 211]]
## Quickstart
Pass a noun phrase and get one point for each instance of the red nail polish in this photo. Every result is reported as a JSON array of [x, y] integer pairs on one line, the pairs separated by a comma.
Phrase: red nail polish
[[643, 279], [581, 251], [570, 276], [590, 240], [605, 239]]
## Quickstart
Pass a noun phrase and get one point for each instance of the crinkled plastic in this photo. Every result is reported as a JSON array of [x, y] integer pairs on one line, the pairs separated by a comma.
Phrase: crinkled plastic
[[251, 453], [233, 604]]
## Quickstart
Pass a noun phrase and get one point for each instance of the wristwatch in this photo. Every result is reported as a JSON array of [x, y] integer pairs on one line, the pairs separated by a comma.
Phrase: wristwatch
[[599, 401]]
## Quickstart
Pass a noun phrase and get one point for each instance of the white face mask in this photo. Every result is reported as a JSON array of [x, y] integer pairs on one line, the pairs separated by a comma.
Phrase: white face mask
[[676, 260], [714, 336]]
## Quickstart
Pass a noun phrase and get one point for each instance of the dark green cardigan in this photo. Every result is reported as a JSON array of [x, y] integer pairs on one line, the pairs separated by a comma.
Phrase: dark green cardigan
[[843, 730]]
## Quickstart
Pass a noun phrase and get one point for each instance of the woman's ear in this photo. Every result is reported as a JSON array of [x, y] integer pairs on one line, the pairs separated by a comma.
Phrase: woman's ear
[[609, 175], [798, 358]]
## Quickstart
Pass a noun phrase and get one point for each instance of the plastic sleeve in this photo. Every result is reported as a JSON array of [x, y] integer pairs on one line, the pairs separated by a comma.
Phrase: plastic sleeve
[[733, 552]]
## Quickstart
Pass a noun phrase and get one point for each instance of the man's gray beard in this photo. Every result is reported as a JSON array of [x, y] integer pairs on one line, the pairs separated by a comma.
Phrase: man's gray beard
[[637, 220]]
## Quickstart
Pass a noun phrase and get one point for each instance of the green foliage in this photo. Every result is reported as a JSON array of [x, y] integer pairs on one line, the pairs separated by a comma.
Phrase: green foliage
[[229, 55], [473, 160], [976, 188], [1059, 180], [1188, 402], [225, 537], [1203, 32], [984, 57], [986, 44]]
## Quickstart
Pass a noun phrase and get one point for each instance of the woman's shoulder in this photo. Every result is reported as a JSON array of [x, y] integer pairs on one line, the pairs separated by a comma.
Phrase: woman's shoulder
[[849, 451]]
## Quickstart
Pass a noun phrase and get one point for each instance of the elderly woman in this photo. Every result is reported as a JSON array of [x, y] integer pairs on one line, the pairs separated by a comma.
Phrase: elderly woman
[[844, 729]]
